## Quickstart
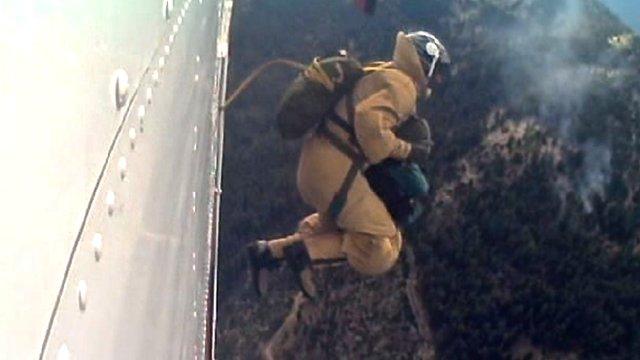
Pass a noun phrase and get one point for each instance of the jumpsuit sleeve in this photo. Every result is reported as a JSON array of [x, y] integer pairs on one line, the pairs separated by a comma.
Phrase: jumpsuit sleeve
[[378, 113]]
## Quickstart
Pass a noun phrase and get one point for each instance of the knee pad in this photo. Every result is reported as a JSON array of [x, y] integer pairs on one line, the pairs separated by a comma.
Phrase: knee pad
[[309, 224], [315, 224], [370, 254]]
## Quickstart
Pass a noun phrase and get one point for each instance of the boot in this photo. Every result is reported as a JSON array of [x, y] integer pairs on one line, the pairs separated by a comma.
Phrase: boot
[[261, 260], [299, 262]]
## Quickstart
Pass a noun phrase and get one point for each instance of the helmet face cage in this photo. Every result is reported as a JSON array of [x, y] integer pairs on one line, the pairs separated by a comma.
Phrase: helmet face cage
[[430, 50]]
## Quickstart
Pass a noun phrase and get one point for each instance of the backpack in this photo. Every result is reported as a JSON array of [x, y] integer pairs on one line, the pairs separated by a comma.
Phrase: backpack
[[315, 93]]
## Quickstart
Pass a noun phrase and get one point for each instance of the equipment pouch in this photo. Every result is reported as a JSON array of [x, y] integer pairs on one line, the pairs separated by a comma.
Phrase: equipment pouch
[[399, 185]]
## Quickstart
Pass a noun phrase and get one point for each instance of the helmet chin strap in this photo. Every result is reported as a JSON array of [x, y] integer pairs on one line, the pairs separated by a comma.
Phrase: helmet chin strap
[[432, 68], [424, 90], [432, 50]]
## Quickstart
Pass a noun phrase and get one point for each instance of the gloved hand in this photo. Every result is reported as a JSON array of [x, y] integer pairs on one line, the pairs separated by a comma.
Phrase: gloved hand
[[419, 153], [414, 130]]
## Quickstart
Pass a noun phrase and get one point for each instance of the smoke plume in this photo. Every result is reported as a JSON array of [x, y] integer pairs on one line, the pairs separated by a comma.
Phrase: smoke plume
[[549, 75]]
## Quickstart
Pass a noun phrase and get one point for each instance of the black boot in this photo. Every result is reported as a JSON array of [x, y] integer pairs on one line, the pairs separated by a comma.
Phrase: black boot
[[299, 262], [261, 260]]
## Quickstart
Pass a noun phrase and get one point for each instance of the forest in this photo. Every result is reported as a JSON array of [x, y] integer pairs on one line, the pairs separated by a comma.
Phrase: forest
[[530, 247]]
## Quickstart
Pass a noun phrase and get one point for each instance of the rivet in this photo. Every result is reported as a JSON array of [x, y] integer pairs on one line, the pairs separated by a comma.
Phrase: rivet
[[171, 38], [197, 58], [196, 78], [132, 138], [167, 7], [161, 61], [119, 88], [193, 255], [97, 246], [193, 267], [122, 167], [180, 20], [167, 49], [63, 353], [175, 28], [149, 95], [82, 295], [155, 77], [110, 200], [195, 314]]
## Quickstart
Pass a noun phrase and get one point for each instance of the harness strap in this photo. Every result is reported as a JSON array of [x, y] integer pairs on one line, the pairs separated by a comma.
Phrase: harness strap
[[344, 125], [340, 198], [358, 160], [351, 109], [347, 126]]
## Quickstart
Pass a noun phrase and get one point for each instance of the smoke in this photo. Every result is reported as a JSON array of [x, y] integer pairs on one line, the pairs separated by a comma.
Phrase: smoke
[[595, 173], [547, 73], [542, 70]]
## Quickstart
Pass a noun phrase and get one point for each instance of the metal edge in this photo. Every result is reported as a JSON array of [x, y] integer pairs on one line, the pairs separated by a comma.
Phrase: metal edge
[[217, 128]]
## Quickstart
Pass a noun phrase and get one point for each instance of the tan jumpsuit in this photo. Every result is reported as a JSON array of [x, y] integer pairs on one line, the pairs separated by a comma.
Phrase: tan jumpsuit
[[364, 232]]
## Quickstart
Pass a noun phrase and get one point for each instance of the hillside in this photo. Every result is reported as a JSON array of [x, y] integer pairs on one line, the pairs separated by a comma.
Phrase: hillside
[[530, 246]]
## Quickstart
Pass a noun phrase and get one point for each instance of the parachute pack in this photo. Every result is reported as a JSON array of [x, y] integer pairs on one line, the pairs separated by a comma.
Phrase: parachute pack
[[315, 93]]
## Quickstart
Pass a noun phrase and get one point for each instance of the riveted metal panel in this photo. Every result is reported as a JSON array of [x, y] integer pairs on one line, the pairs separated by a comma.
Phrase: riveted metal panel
[[107, 203]]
